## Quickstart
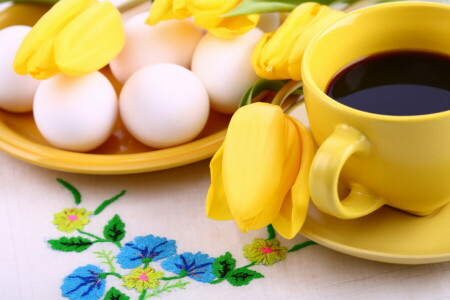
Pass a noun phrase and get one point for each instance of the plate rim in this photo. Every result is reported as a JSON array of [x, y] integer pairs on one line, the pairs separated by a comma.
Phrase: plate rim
[[49, 157]]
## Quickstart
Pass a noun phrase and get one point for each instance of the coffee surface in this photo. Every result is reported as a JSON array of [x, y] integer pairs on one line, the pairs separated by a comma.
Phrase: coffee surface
[[400, 83]]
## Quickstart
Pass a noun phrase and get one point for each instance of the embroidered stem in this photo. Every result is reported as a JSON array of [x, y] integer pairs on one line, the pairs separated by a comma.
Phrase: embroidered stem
[[249, 265], [271, 232], [146, 263], [167, 288], [142, 295], [108, 259], [103, 275], [302, 245], [218, 280], [182, 275], [89, 234], [108, 202], [76, 194], [98, 239]]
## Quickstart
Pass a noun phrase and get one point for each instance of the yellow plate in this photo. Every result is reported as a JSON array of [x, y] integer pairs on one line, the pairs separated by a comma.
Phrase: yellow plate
[[120, 154], [387, 235]]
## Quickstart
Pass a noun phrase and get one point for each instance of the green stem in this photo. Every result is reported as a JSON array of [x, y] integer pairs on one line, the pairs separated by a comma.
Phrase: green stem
[[219, 280], [249, 265], [295, 105], [99, 239], [89, 234], [301, 245], [103, 275], [130, 5], [271, 232], [182, 275], [142, 295], [75, 193], [285, 91], [108, 202], [108, 259], [32, 1]]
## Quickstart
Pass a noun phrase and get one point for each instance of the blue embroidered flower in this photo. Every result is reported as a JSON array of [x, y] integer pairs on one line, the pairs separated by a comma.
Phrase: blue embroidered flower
[[84, 284], [198, 266], [145, 249]]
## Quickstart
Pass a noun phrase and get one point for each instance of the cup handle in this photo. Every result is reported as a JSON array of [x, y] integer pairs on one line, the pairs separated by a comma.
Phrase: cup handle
[[324, 176]]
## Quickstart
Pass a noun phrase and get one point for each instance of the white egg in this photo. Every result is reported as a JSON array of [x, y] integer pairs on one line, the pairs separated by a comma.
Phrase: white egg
[[171, 41], [16, 91], [76, 113], [224, 67], [164, 105]]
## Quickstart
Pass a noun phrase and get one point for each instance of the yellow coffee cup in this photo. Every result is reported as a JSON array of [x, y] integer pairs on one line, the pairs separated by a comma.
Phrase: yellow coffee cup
[[400, 161]]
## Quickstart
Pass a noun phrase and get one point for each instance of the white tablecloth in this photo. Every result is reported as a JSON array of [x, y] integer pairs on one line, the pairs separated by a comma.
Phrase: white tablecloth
[[170, 204]]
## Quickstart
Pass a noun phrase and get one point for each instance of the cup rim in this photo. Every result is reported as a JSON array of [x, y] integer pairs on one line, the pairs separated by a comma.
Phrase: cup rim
[[307, 77]]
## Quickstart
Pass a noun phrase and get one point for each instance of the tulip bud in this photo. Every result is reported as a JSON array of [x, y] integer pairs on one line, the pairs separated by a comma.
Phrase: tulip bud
[[253, 172], [279, 53], [74, 37], [206, 14]]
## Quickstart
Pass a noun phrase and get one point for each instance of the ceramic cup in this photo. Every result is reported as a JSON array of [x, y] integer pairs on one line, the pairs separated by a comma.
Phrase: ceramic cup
[[400, 161]]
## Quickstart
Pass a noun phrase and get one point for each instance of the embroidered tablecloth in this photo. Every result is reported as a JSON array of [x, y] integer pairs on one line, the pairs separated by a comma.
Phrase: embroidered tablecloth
[[146, 235]]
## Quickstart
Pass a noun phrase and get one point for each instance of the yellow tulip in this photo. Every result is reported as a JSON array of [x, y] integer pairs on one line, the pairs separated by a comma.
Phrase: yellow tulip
[[279, 53], [206, 14], [74, 37], [259, 175]]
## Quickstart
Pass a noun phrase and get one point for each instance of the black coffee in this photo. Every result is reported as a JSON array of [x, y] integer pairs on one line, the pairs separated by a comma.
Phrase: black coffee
[[400, 83]]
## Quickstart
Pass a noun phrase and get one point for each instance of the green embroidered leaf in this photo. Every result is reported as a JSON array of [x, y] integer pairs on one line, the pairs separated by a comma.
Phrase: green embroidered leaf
[[114, 231], [105, 203], [115, 294], [243, 276], [223, 265], [258, 87], [69, 244], [76, 194]]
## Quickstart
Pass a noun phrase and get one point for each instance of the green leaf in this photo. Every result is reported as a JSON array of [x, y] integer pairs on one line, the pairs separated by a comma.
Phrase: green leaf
[[243, 276], [115, 294], [69, 244], [260, 86], [105, 203], [114, 231], [223, 265], [76, 194]]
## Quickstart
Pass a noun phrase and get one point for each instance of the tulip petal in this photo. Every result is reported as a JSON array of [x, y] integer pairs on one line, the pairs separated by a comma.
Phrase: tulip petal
[[164, 10], [206, 14], [295, 206], [323, 18], [61, 14], [253, 162], [270, 57], [216, 201], [90, 41]]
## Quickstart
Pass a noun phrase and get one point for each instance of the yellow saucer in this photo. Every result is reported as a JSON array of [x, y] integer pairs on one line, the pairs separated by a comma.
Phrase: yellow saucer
[[387, 235], [120, 154]]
